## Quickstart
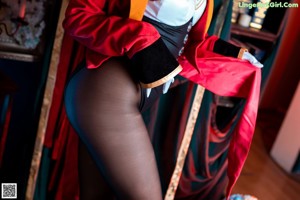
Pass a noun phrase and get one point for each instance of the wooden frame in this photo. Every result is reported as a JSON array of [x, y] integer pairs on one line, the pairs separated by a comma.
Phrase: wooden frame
[[45, 110]]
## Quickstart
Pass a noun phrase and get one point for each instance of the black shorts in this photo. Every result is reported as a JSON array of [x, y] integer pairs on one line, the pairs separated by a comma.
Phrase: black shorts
[[174, 37]]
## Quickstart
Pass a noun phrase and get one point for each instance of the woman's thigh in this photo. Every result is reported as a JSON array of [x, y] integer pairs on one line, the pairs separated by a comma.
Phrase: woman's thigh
[[103, 106]]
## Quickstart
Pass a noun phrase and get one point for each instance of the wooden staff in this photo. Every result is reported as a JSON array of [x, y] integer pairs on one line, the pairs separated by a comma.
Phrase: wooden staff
[[39, 142], [189, 129]]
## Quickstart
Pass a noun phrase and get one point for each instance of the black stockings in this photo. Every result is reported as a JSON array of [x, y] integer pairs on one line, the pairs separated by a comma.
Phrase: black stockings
[[103, 106]]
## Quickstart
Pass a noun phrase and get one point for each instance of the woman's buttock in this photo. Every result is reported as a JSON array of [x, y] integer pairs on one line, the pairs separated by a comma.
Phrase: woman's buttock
[[113, 87]]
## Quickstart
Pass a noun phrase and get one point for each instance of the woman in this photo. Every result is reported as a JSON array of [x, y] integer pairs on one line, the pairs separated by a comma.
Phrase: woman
[[128, 64]]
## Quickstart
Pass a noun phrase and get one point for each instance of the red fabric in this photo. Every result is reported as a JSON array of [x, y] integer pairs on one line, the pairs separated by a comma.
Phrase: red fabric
[[66, 65], [107, 33], [60, 136], [231, 77], [68, 186], [110, 33]]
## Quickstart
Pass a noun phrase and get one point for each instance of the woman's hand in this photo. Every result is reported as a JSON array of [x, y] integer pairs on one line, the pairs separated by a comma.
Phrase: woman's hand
[[248, 56], [166, 87]]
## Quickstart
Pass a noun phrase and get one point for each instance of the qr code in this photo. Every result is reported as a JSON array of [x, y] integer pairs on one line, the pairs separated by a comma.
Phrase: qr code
[[9, 191]]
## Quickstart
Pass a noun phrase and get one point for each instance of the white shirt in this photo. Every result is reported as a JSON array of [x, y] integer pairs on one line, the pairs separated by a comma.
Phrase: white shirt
[[175, 12]]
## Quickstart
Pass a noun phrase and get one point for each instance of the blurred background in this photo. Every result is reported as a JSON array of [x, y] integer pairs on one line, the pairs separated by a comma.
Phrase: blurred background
[[31, 84]]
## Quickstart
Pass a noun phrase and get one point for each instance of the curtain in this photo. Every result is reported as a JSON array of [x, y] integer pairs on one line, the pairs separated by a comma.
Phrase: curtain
[[204, 173]]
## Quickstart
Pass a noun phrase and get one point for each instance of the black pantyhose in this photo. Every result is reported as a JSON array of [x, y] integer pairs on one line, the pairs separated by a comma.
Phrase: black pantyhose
[[103, 106]]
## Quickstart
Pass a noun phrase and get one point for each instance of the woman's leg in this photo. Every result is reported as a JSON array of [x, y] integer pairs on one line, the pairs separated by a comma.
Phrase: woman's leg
[[91, 181], [103, 106]]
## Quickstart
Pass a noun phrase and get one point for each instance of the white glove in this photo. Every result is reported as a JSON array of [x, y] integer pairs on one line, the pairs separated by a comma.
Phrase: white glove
[[248, 56], [166, 87]]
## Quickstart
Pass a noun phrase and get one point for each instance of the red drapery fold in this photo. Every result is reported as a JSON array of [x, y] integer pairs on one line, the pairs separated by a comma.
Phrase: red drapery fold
[[60, 136], [231, 77]]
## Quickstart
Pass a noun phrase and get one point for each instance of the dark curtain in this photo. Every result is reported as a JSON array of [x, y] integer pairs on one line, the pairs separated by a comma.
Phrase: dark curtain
[[204, 174]]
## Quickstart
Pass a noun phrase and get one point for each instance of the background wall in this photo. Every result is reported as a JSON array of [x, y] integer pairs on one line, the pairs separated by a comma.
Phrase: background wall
[[30, 79], [285, 73], [282, 81]]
